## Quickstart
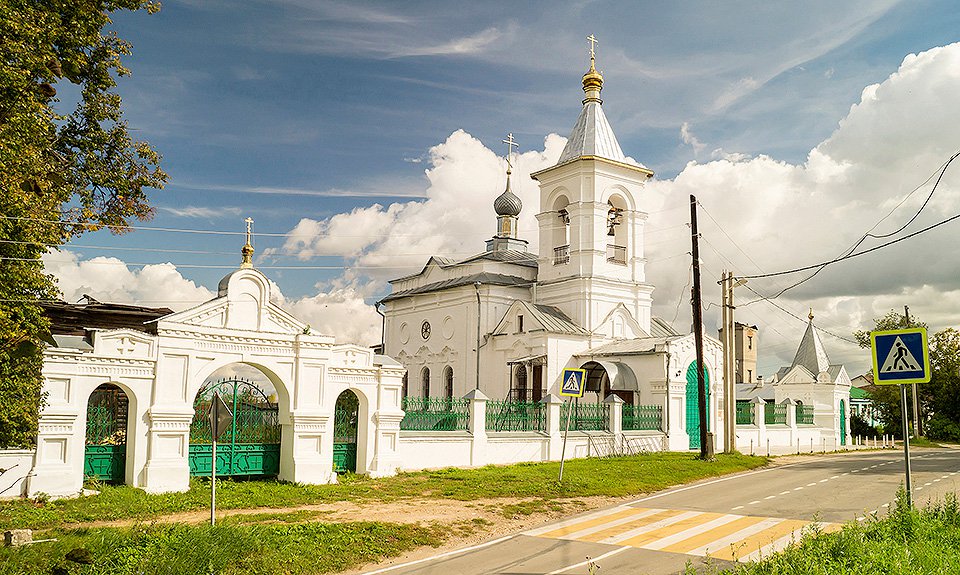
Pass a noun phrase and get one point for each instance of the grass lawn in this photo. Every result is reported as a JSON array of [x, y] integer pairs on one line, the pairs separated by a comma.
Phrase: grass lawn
[[298, 541], [613, 477], [907, 542]]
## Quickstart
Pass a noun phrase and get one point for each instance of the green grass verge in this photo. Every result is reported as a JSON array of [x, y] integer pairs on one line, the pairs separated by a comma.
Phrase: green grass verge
[[225, 549], [906, 542], [616, 477]]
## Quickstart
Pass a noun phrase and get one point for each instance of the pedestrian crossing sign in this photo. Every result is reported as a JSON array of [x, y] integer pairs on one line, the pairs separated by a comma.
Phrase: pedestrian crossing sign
[[900, 356], [574, 382]]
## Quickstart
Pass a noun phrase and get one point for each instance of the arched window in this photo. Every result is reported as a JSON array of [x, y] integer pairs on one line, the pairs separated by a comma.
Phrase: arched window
[[561, 232], [425, 381], [616, 231], [406, 385], [521, 383], [448, 380]]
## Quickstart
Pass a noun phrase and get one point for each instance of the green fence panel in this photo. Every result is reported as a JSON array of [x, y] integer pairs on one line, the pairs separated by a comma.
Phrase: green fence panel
[[745, 413], [239, 459], [775, 414], [804, 414], [515, 416], [435, 414], [105, 462], [642, 417], [586, 416]]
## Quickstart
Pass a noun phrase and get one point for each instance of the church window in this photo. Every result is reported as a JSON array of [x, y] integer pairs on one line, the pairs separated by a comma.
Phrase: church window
[[425, 381], [448, 381], [520, 323], [406, 385], [749, 342], [749, 376], [521, 385]]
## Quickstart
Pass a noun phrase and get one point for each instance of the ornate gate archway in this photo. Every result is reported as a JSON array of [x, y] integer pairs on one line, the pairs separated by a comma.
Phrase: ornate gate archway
[[346, 417], [251, 447], [105, 453], [693, 404]]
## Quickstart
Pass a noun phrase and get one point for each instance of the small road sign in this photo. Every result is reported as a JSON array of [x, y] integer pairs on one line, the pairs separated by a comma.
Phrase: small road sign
[[220, 416], [574, 382], [900, 356]]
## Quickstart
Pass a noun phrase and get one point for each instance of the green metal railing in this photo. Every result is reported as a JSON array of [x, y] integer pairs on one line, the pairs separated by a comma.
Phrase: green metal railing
[[775, 414], [435, 414], [804, 414], [745, 413], [586, 416], [516, 416], [641, 417]]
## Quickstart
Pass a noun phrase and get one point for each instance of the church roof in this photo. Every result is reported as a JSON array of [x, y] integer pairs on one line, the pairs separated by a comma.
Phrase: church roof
[[636, 346], [811, 353], [75, 319], [485, 278], [553, 320], [525, 259], [592, 136]]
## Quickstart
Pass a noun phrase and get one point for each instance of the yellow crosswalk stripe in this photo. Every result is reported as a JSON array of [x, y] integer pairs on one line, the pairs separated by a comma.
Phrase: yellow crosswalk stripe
[[712, 535], [573, 528], [672, 529], [756, 541], [630, 526]]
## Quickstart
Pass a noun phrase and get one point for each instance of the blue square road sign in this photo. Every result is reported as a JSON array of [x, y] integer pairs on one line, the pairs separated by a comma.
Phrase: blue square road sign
[[900, 356]]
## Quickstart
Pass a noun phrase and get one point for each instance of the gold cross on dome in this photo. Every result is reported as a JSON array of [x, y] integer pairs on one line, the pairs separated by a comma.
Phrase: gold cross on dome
[[511, 144], [249, 222], [593, 45]]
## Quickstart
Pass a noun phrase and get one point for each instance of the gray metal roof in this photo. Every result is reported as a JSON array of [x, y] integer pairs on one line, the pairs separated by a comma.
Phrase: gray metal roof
[[553, 320], [484, 278], [748, 391], [636, 346], [508, 256], [592, 136], [811, 354], [660, 328]]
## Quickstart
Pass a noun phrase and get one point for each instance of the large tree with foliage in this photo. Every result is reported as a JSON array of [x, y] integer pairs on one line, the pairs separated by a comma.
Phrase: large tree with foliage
[[64, 170], [939, 399]]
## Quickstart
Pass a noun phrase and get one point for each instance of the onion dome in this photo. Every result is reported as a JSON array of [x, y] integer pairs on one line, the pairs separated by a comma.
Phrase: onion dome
[[507, 203]]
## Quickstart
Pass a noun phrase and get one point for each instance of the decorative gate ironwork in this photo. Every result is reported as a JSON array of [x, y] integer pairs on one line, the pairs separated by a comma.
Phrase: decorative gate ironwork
[[105, 454], [346, 415], [251, 446], [693, 404]]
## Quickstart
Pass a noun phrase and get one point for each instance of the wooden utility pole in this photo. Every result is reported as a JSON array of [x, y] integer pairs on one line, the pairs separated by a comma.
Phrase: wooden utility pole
[[706, 447]]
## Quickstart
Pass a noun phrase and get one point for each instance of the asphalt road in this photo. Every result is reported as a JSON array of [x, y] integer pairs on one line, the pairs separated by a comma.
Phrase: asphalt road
[[735, 518]]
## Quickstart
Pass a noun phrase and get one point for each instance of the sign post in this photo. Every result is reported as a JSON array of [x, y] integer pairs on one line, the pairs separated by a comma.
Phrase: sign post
[[573, 384], [221, 419], [901, 357]]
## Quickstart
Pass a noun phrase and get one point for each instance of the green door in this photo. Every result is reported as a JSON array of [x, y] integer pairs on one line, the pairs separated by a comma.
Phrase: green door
[[251, 447], [346, 416], [693, 403], [105, 454], [843, 423]]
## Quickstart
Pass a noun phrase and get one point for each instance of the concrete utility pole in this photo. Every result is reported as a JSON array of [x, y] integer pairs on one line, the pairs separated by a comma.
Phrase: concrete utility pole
[[706, 439], [727, 284], [916, 399]]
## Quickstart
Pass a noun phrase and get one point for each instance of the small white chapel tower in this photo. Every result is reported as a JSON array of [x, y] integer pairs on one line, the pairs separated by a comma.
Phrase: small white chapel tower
[[591, 227]]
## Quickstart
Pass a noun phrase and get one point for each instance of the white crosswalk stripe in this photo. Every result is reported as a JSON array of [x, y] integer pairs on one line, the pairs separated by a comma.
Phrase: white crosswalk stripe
[[718, 535]]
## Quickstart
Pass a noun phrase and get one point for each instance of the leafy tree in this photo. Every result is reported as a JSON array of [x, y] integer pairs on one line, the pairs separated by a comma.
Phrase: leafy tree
[[939, 399], [62, 172], [886, 398]]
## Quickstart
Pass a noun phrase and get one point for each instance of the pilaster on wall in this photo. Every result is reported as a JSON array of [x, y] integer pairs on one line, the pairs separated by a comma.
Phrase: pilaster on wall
[[306, 448], [58, 467], [168, 449], [478, 426], [554, 426]]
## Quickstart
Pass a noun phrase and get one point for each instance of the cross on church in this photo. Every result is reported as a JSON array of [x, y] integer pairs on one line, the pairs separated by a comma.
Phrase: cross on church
[[511, 143], [249, 228], [593, 44]]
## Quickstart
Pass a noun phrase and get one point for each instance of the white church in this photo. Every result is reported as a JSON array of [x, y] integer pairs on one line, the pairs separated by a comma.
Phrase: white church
[[129, 389], [584, 301]]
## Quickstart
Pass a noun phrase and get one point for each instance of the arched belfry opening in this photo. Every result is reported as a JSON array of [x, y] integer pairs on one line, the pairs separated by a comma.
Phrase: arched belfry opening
[[561, 231], [617, 231], [250, 447], [105, 449]]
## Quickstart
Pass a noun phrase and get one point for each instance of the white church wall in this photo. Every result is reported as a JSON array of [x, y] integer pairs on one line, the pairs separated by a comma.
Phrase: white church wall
[[15, 464]]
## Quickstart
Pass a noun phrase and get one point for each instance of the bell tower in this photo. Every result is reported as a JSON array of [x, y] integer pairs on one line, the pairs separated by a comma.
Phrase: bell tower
[[591, 226]]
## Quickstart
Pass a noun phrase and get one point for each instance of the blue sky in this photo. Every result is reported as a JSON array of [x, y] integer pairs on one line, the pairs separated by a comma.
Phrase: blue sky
[[302, 114]]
